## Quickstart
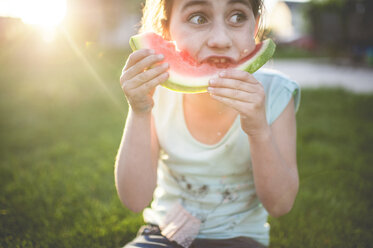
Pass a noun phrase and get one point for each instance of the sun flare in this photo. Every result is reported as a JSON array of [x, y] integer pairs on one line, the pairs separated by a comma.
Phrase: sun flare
[[46, 14], [43, 13]]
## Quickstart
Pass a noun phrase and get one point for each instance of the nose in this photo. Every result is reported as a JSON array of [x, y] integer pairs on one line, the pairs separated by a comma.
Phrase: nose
[[219, 38]]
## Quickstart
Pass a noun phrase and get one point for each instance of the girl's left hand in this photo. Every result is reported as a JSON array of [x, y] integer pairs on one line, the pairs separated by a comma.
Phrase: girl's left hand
[[241, 91]]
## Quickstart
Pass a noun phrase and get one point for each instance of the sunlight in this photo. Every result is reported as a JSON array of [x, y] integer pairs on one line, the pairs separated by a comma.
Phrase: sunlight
[[45, 15], [97, 79]]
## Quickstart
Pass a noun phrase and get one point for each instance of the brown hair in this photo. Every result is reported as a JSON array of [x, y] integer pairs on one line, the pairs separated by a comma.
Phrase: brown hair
[[156, 15]]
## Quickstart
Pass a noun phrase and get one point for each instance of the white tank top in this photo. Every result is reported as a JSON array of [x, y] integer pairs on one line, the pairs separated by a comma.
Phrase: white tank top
[[213, 182]]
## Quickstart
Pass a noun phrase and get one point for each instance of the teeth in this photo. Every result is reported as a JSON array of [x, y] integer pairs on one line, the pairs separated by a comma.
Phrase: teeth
[[218, 60]]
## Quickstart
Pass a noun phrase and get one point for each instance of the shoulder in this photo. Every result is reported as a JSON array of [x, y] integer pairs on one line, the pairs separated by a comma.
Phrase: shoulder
[[165, 102], [279, 89], [163, 96], [275, 79]]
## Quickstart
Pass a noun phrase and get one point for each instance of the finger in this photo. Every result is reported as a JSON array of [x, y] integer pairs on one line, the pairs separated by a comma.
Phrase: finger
[[148, 75], [150, 85], [232, 83], [136, 56], [141, 65], [238, 75], [234, 94]]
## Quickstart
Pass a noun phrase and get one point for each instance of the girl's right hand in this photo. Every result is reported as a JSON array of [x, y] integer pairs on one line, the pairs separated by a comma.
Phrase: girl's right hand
[[141, 74]]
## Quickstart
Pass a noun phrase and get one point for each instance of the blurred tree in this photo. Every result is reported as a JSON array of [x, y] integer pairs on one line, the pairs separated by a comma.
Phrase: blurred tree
[[87, 20], [328, 3], [343, 25], [103, 21]]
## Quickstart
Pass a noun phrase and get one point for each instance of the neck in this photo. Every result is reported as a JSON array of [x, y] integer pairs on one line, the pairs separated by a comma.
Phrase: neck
[[206, 105]]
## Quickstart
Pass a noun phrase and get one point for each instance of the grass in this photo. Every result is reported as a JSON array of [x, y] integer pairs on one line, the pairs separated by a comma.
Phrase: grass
[[60, 127], [335, 143]]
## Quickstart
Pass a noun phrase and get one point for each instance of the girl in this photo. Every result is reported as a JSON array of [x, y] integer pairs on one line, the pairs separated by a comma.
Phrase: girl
[[216, 163]]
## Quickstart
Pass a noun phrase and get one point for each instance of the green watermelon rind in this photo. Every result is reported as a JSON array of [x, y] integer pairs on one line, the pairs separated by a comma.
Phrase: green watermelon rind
[[190, 84], [260, 58]]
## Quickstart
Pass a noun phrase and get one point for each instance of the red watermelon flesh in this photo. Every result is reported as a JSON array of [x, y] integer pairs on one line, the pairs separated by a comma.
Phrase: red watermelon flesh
[[186, 74]]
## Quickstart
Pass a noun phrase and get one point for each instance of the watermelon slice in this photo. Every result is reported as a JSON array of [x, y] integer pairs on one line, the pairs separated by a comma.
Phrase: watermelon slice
[[186, 75]]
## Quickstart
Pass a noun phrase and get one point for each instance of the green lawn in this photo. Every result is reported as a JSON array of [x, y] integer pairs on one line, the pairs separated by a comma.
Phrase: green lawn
[[62, 117]]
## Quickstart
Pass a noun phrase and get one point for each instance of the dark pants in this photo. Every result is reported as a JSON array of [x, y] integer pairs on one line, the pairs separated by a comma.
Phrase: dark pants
[[150, 236]]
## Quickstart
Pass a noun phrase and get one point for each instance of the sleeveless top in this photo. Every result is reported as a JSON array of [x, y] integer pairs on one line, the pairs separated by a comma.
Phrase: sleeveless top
[[213, 182]]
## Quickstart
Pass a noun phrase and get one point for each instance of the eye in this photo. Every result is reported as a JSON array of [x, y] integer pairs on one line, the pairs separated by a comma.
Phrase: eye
[[198, 19], [237, 18]]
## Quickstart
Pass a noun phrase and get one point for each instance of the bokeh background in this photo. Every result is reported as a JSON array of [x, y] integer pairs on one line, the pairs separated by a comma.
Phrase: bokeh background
[[62, 114]]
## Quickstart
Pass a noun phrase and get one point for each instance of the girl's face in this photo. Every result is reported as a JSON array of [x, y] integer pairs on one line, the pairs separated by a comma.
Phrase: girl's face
[[219, 32]]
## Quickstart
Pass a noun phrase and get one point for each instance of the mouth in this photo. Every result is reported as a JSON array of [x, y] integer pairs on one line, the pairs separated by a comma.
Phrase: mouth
[[219, 61]]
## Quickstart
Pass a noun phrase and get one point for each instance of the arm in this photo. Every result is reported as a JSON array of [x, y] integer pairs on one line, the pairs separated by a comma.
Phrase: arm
[[136, 163], [274, 164], [272, 148]]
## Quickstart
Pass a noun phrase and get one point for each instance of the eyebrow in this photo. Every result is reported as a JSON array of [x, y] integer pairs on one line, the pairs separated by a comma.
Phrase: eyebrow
[[244, 2], [205, 3], [196, 2]]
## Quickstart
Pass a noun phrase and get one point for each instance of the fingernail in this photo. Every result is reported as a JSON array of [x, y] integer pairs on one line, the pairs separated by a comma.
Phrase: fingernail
[[212, 81], [160, 56], [222, 73], [209, 89], [152, 51]]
